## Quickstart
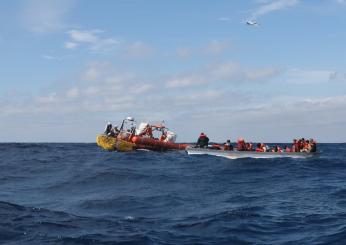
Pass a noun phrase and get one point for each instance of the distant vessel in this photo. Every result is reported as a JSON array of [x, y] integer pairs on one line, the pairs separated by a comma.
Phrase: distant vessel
[[247, 154]]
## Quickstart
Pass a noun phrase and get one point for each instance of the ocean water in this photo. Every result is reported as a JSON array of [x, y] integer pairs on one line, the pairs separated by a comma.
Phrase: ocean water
[[80, 194]]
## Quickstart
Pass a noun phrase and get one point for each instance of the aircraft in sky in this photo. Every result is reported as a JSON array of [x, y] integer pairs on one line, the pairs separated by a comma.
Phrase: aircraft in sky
[[252, 23]]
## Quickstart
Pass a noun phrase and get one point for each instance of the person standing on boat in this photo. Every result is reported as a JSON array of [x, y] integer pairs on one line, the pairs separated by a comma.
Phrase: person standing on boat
[[313, 145], [108, 128], [202, 141], [295, 146], [241, 145]]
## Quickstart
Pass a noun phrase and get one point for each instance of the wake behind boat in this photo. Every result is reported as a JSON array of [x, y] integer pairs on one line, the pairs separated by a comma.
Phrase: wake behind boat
[[247, 154]]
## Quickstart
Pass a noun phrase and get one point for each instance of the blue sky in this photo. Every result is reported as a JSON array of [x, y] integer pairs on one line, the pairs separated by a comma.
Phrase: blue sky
[[69, 66]]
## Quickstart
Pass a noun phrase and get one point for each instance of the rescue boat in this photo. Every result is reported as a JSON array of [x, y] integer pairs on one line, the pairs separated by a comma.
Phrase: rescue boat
[[156, 137]]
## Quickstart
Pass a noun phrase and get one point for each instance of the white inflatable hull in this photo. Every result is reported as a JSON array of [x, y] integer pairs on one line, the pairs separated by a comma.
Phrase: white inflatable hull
[[247, 154]]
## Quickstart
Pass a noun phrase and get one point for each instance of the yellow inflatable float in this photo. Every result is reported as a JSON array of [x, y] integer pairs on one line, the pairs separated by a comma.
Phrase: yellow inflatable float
[[113, 144]]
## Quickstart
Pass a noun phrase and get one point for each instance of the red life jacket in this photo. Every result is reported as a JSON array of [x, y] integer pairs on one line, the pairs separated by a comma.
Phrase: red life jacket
[[241, 146]]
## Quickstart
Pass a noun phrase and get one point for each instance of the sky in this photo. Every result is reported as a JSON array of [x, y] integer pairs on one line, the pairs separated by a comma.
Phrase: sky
[[67, 67]]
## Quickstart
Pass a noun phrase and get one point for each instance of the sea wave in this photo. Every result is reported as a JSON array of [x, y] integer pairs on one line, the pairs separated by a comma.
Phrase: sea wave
[[80, 194]]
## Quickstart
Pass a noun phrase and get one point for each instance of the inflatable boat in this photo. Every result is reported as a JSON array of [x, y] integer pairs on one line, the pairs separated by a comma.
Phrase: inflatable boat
[[247, 154], [154, 137], [155, 144]]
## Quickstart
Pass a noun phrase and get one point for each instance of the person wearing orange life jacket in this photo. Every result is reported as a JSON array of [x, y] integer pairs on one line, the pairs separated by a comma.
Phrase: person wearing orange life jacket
[[241, 146], [163, 136], [295, 146], [248, 147], [228, 146], [307, 146], [148, 132], [202, 141], [259, 148]]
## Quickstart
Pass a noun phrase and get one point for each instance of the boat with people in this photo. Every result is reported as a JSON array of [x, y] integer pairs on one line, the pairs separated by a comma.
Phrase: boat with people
[[235, 154], [300, 149], [128, 137], [157, 137]]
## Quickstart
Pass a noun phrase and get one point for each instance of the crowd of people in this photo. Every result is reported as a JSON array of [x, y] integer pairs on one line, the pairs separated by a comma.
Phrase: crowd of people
[[147, 132], [298, 145]]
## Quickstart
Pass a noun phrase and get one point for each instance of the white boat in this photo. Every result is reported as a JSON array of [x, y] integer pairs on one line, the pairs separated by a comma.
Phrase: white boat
[[247, 154]]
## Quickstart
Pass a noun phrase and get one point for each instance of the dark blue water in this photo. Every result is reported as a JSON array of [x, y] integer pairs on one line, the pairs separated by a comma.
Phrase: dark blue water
[[80, 194]]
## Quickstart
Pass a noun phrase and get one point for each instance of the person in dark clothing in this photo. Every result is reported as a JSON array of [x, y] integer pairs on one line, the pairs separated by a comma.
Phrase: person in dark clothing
[[313, 145], [108, 129], [228, 146], [202, 141]]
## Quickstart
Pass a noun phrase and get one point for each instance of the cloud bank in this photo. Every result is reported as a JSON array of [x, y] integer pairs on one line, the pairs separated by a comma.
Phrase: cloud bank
[[225, 99], [45, 16]]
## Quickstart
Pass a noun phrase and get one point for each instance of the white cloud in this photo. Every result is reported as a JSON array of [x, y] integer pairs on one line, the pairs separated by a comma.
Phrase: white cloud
[[227, 72], [142, 89], [92, 91], [104, 45], [94, 71], [70, 45], [303, 76], [84, 36], [92, 39], [186, 81], [72, 93], [273, 6], [45, 16], [51, 98], [263, 73], [337, 76], [211, 99]]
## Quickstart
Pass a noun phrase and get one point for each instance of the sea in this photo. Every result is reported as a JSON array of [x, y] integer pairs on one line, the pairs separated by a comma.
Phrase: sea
[[81, 194]]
